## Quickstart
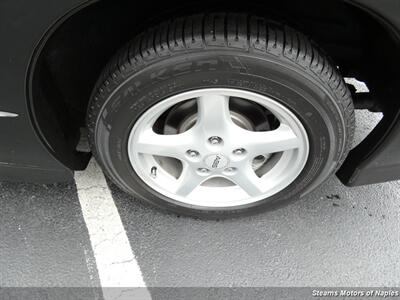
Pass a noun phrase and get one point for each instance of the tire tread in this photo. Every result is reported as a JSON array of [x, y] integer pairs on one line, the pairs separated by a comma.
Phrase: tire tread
[[229, 31]]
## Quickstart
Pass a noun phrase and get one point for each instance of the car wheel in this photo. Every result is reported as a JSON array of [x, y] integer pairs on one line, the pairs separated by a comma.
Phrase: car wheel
[[218, 115]]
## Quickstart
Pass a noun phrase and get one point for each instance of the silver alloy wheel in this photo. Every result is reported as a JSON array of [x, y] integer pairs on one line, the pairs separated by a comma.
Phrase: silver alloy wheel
[[215, 156]]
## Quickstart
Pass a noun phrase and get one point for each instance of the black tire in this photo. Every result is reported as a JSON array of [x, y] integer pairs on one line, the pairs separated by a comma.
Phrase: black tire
[[221, 50]]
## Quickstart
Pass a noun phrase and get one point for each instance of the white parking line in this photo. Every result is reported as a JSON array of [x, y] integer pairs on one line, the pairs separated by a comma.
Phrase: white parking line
[[116, 263]]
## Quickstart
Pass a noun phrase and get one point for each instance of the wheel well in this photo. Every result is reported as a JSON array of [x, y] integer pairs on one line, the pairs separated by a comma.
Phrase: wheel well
[[69, 60]]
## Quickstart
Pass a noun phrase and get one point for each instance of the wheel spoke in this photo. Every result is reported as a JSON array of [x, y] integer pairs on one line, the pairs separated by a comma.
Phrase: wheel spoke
[[215, 146], [188, 181], [247, 179], [214, 116], [174, 145], [278, 140]]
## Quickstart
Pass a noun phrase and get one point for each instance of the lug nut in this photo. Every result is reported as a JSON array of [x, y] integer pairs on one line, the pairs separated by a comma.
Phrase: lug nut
[[192, 153], [215, 140], [239, 151], [203, 170], [230, 170]]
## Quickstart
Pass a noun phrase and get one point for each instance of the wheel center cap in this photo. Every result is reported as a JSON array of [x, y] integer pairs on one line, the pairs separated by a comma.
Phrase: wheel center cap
[[216, 161]]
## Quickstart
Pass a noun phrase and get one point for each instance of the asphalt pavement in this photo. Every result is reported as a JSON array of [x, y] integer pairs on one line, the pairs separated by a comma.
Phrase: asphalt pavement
[[335, 236]]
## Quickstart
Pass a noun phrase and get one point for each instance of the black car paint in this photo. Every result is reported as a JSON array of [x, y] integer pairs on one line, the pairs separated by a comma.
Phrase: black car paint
[[24, 154]]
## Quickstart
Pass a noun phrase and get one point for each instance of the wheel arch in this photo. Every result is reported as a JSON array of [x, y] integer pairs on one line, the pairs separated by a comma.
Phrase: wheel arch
[[72, 54]]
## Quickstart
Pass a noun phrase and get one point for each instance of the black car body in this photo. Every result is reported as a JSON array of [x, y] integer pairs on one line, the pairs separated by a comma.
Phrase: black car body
[[53, 51]]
